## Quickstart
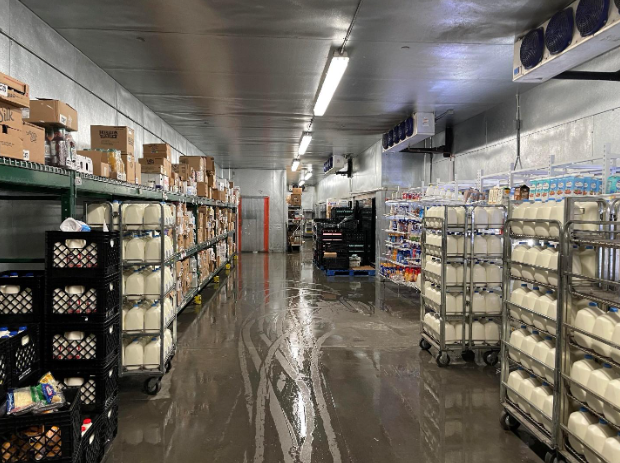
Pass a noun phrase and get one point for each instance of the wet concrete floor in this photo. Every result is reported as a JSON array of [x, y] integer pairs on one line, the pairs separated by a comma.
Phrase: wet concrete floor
[[282, 364]]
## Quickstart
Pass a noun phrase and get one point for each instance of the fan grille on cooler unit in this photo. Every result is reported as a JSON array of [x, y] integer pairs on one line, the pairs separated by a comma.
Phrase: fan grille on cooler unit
[[385, 141], [409, 126], [403, 131], [591, 16], [532, 48], [391, 138], [559, 33], [396, 134]]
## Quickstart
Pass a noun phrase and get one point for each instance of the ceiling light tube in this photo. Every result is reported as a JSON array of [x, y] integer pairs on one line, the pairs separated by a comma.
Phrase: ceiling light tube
[[308, 176], [335, 71], [306, 138], [302, 183], [295, 165]]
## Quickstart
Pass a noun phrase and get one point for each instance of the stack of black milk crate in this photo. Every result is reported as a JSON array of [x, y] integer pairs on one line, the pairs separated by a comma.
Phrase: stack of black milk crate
[[81, 339]]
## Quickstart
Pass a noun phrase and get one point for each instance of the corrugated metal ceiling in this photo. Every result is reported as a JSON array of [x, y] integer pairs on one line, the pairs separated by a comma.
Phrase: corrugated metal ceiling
[[238, 78]]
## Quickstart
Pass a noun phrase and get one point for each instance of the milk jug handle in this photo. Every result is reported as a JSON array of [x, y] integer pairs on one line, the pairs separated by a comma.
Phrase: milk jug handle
[[75, 244]]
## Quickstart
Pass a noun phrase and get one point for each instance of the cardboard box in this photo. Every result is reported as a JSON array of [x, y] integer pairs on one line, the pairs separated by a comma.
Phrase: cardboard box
[[196, 162], [230, 185], [295, 200], [130, 167], [209, 164], [152, 169], [138, 174], [102, 169], [165, 163], [156, 180], [157, 150], [297, 191], [112, 137], [211, 180], [13, 92], [53, 113], [11, 145], [33, 140], [11, 116], [202, 189]]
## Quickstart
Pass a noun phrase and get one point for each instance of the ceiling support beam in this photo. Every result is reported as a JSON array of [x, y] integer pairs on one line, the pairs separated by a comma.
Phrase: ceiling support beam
[[589, 75]]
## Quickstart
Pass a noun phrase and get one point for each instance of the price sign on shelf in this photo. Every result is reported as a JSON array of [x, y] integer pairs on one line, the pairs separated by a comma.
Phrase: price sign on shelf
[[4, 90]]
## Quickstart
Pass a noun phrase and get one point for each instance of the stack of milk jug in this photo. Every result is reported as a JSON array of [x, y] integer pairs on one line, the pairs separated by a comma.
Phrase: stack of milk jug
[[81, 312], [148, 299], [594, 381]]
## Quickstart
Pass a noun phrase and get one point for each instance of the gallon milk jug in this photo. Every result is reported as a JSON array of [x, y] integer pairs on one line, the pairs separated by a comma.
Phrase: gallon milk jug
[[539, 395], [578, 423], [576, 262], [529, 302], [543, 213], [586, 211], [615, 338], [493, 273], [99, 214], [451, 244], [480, 244], [460, 243], [597, 383], [153, 284], [604, 329], [557, 215], [480, 273], [531, 255], [152, 217], [168, 341], [518, 212], [450, 333], [134, 249], [495, 216], [153, 250], [152, 354], [611, 449], [135, 285], [491, 332], [516, 340], [541, 350], [514, 381], [134, 320], [552, 315], [478, 303], [526, 388], [428, 321], [585, 320], [451, 306], [542, 262], [611, 410], [516, 297], [481, 217], [544, 305], [596, 435], [152, 317], [492, 303], [168, 308], [133, 216], [134, 355], [580, 375], [477, 332], [518, 257], [451, 277], [494, 245], [548, 413], [527, 347], [529, 228], [550, 366], [587, 258], [169, 278], [168, 246]]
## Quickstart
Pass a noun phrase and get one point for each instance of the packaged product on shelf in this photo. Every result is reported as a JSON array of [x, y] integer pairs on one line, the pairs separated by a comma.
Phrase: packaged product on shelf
[[14, 92], [33, 139], [155, 181], [11, 144], [54, 114], [147, 160], [138, 174], [157, 150], [129, 165], [209, 164], [197, 163]]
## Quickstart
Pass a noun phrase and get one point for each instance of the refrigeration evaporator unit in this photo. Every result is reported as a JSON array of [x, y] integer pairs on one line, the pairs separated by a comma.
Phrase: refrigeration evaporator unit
[[334, 164], [414, 129], [584, 30]]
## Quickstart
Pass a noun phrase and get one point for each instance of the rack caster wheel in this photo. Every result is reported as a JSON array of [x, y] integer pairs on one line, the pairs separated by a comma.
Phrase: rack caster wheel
[[425, 345], [490, 358], [216, 279], [507, 422], [152, 386], [227, 266], [443, 359], [468, 355], [168, 366]]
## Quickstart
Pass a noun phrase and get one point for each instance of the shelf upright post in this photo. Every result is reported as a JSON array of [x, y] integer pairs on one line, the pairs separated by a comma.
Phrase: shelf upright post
[[69, 197]]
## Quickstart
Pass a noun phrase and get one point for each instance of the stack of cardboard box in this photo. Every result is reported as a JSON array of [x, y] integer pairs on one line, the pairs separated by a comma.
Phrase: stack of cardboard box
[[19, 139], [156, 165], [118, 138], [294, 199]]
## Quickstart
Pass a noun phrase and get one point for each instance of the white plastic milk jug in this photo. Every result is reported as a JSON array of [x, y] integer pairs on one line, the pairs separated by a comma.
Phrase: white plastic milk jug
[[491, 332], [527, 347], [494, 245], [596, 435], [514, 381], [611, 449], [134, 355], [134, 320], [580, 375], [152, 317], [152, 353], [541, 350], [516, 340], [526, 388], [612, 395], [135, 285], [492, 303], [597, 383], [578, 423], [481, 217], [604, 327], [585, 320]]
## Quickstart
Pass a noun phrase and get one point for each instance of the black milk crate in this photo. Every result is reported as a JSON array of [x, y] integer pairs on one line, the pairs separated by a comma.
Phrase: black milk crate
[[82, 299], [21, 296], [110, 422], [355, 237], [94, 254], [99, 387], [338, 263], [44, 437], [20, 356], [98, 345], [91, 443]]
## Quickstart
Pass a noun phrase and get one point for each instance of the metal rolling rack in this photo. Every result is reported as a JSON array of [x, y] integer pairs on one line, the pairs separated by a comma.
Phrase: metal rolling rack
[[490, 356], [602, 288], [512, 416], [153, 372], [428, 339]]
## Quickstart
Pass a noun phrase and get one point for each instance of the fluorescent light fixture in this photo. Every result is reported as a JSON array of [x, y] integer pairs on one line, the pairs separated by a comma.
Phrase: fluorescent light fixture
[[306, 138], [295, 165], [302, 183], [308, 176], [335, 71]]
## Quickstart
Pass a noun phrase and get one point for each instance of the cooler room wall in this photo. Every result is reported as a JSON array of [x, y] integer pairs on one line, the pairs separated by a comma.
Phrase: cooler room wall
[[33, 52], [570, 119]]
